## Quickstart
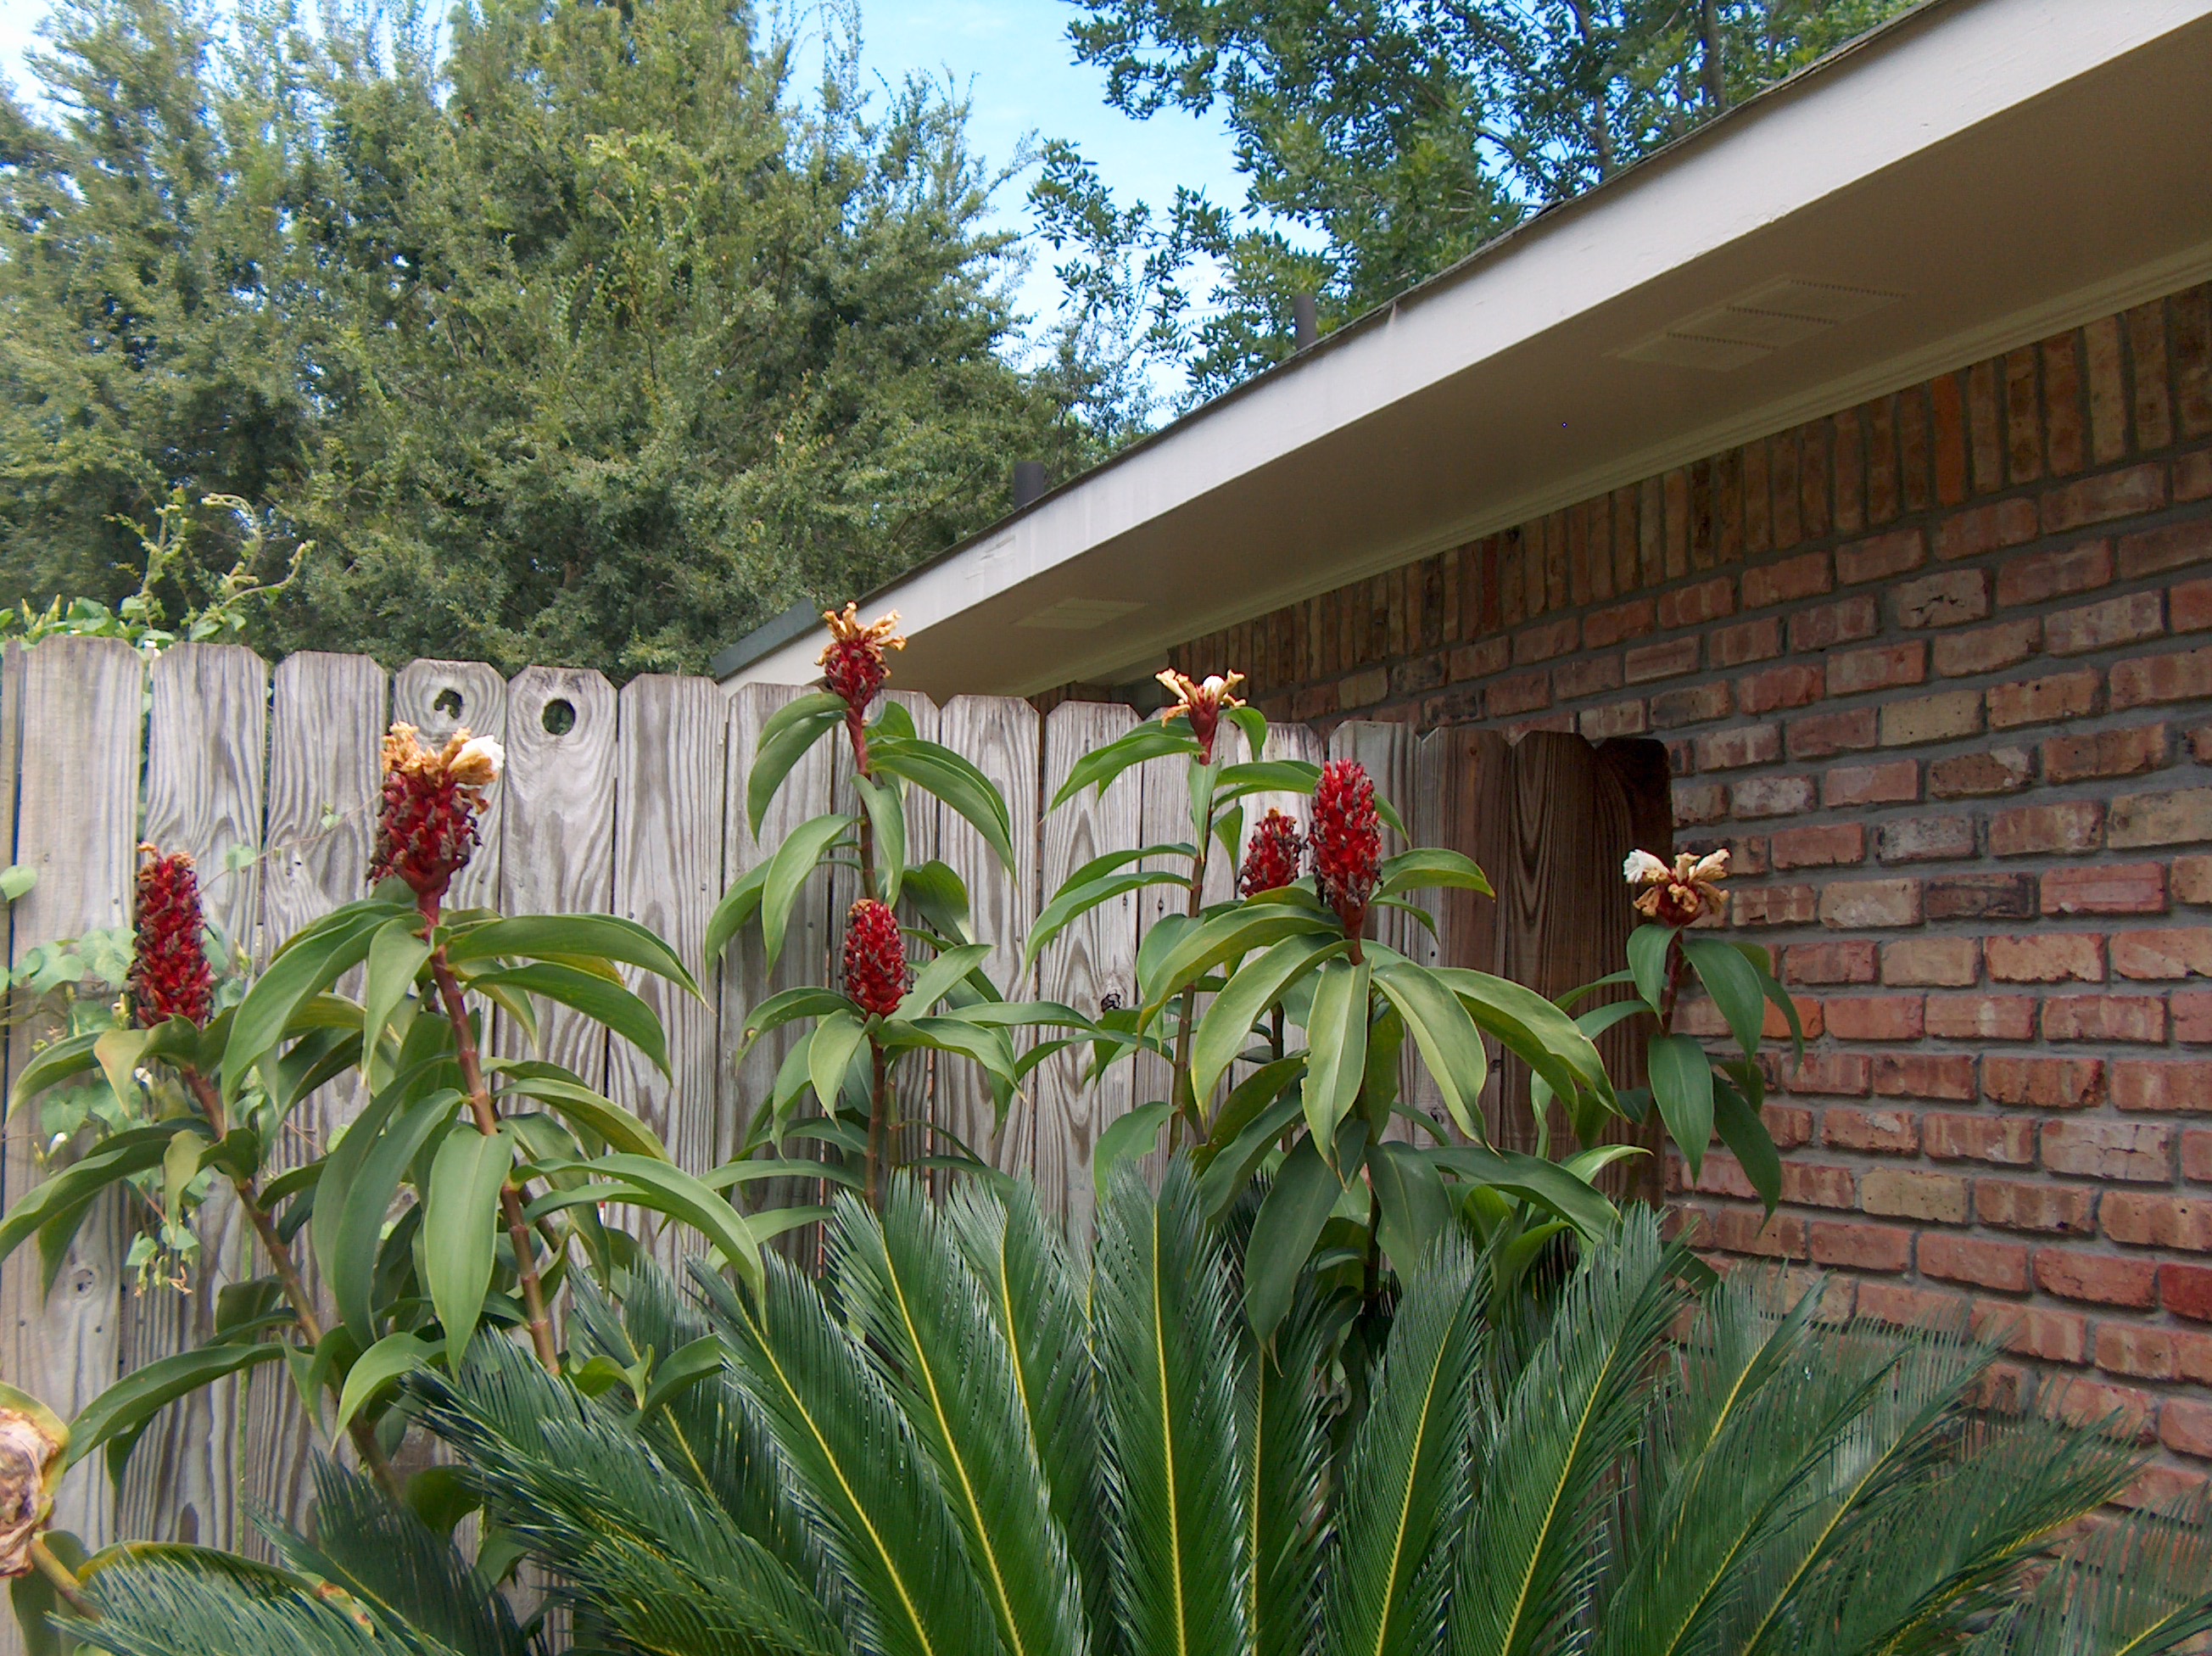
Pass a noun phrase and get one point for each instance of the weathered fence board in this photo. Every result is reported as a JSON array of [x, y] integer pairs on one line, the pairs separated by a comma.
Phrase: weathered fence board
[[634, 803]]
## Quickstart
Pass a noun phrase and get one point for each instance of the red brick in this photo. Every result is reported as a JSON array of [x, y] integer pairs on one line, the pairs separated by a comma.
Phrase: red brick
[[2002, 1265], [1908, 1193], [1931, 962], [1745, 745], [1541, 643], [1980, 776], [2186, 1291], [1892, 783], [2192, 1016], [2161, 1489], [1986, 528], [1981, 897], [2144, 1220], [2173, 546], [2055, 1337], [1744, 641], [1807, 576], [2136, 1152], [1878, 666], [1668, 659], [1982, 1017], [1697, 803], [2004, 1141], [1477, 660], [1818, 1184], [2155, 1354], [2192, 476], [2086, 1403], [1603, 629], [2181, 817], [1693, 704], [2150, 681], [2066, 829], [1773, 905], [1851, 962], [1787, 1124], [1616, 719], [2103, 1278], [1906, 1307], [1524, 693], [2196, 1154], [1951, 598], [2044, 700], [1818, 735], [1887, 1132], [2106, 626], [1592, 675], [1825, 846], [1878, 557], [1949, 716], [2186, 1427], [1988, 650], [1771, 796], [1875, 1017], [1365, 689], [1948, 1077], [2109, 494], [1925, 839], [1740, 1230], [2189, 607], [1823, 626], [2109, 888], [2104, 1018], [1793, 684], [2107, 754], [1832, 1074], [2021, 1205], [1862, 904], [2173, 952], [2040, 576], [1694, 605], [1861, 1247], [2181, 1086], [2043, 1083], [2047, 957]]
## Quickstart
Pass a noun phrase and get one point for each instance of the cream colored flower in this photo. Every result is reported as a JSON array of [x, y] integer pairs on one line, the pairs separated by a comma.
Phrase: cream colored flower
[[28, 1452], [1683, 894], [478, 762], [1642, 869], [1201, 701]]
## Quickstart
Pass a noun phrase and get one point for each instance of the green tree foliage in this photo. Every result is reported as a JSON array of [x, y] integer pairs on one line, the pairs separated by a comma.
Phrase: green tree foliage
[[1381, 140], [585, 340]]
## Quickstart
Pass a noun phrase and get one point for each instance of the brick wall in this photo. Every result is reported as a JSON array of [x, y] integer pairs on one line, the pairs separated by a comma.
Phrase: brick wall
[[1938, 670]]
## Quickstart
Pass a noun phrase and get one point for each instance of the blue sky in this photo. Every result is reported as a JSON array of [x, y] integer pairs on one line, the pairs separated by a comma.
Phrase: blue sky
[[1013, 59]]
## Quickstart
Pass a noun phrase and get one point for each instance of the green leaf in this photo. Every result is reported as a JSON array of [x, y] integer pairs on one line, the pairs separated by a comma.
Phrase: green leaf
[[887, 821], [940, 976], [1196, 949], [1288, 1225], [733, 914], [1266, 776], [790, 1004], [1733, 981], [309, 964], [1244, 1000], [562, 939], [583, 1109], [460, 1223], [1414, 1207], [1136, 1134], [1746, 1136], [1533, 1029], [1427, 868], [397, 955], [787, 872], [1336, 1040], [117, 1416], [360, 1178], [1556, 1187], [393, 1355], [1682, 1085], [986, 1046], [644, 1183], [598, 999], [1449, 1044], [791, 730], [16, 880], [1776, 996], [1647, 962], [686, 1366], [956, 782], [117, 1052], [76, 1185], [830, 1056], [61, 1061], [937, 890], [1253, 723], [1072, 901], [1098, 768]]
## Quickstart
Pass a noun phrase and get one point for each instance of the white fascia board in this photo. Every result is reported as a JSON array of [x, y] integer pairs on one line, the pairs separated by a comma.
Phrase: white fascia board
[[1926, 79]]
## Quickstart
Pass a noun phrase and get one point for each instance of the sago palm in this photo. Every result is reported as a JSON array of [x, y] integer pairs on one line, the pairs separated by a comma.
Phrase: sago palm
[[955, 1443]]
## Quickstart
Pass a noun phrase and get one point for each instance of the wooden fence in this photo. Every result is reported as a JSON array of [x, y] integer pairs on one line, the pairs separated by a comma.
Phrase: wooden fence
[[631, 801]]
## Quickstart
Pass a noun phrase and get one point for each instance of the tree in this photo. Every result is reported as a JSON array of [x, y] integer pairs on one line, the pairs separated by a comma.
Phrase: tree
[[1383, 139], [589, 343]]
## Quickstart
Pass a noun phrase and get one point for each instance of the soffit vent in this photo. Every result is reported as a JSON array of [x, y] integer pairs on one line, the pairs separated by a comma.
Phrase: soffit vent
[[1078, 614], [1787, 311]]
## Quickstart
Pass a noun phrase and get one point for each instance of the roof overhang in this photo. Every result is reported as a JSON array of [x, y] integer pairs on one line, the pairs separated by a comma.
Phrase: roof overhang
[[1978, 175]]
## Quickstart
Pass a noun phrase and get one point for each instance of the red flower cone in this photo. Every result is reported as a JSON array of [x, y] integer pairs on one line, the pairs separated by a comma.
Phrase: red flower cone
[[852, 664], [1272, 858], [1347, 841], [169, 972], [426, 819], [875, 957]]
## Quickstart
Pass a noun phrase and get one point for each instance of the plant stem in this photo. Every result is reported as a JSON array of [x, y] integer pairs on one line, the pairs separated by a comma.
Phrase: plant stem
[[487, 1120], [295, 1287], [64, 1579], [1184, 1094], [879, 1100]]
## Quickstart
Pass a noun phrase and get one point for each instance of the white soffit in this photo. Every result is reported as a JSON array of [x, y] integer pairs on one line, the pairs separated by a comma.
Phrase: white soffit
[[1979, 175]]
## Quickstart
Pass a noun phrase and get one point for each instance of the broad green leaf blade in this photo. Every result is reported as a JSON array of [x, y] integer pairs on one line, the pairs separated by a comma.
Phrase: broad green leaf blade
[[655, 1185], [1266, 776], [583, 1109], [789, 870], [52, 1064], [563, 938], [397, 953], [790, 731], [118, 1415], [1336, 1041], [459, 1224], [1428, 867], [886, 816], [1682, 1085], [956, 782], [1449, 1044], [937, 890], [1746, 1136], [393, 1355], [1415, 1208], [1647, 961], [1098, 768], [360, 1178], [732, 914], [309, 964], [1733, 981], [940, 976], [1245, 999], [76, 1185], [1533, 1029], [1195, 949], [1283, 1235], [1136, 1134], [1072, 901], [1561, 1188], [599, 998], [830, 1056]]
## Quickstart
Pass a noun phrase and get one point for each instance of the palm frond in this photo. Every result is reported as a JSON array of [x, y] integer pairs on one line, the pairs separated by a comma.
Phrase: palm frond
[[1164, 1332], [386, 1557], [1544, 1451], [1033, 1291], [2137, 1588], [886, 1527], [1286, 1460], [947, 1363], [1406, 1474], [167, 1606]]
